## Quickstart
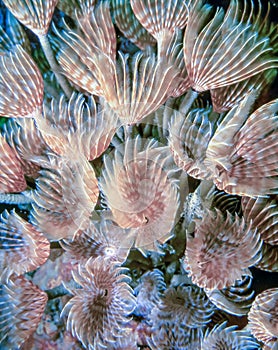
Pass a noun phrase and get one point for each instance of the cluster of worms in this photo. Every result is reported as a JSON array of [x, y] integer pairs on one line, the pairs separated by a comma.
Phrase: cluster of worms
[[138, 175]]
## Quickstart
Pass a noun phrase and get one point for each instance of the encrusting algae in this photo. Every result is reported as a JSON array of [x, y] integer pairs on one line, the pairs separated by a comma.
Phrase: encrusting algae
[[138, 174]]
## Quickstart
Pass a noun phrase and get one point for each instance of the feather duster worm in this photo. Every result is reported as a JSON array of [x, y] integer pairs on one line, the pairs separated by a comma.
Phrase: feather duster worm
[[188, 141], [133, 87], [242, 154], [23, 135], [157, 16], [139, 192], [77, 127], [148, 292], [227, 97], [129, 342], [263, 317], [161, 19], [11, 171], [179, 306], [226, 49], [174, 56], [34, 14], [87, 58], [98, 312], [179, 318], [142, 84], [235, 300], [99, 239], [222, 249], [130, 26], [222, 338], [225, 202], [23, 248], [21, 85], [66, 194], [263, 213], [21, 308], [165, 20], [171, 336], [269, 261]]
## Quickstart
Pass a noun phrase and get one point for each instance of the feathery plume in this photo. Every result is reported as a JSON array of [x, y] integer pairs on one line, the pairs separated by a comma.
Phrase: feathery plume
[[104, 40], [161, 18], [225, 202], [174, 56], [178, 305], [262, 212], [98, 312], [99, 239], [11, 172], [129, 25], [34, 14], [171, 336], [221, 250], [235, 300], [21, 85], [28, 142], [148, 292], [77, 126], [242, 154], [177, 322], [225, 98], [23, 136], [87, 58], [21, 308], [142, 84], [263, 317], [65, 196], [23, 249], [139, 193], [226, 49], [269, 261], [128, 342], [160, 15], [165, 20], [188, 141], [133, 87], [226, 338]]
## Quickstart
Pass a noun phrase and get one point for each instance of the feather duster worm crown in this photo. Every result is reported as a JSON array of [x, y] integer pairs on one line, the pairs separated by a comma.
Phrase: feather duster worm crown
[[226, 338], [21, 307], [215, 255], [139, 192], [263, 317], [226, 49], [98, 312], [34, 14], [22, 247], [22, 83]]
